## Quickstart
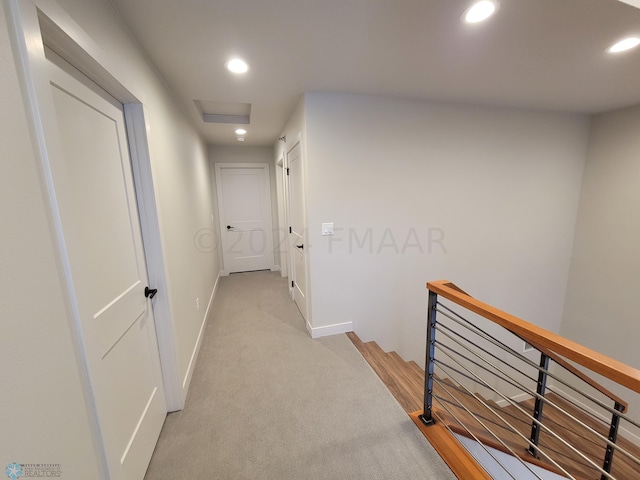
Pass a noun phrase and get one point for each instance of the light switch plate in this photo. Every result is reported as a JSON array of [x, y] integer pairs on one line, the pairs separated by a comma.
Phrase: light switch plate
[[327, 228]]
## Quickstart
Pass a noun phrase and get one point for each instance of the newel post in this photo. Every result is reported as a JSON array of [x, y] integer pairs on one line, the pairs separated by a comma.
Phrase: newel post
[[427, 417]]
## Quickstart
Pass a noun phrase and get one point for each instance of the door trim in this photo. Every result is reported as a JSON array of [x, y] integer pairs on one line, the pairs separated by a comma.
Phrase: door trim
[[35, 22], [283, 225], [174, 387]]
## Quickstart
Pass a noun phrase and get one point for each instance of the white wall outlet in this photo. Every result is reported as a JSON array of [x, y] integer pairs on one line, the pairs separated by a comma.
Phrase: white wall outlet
[[197, 304], [327, 228]]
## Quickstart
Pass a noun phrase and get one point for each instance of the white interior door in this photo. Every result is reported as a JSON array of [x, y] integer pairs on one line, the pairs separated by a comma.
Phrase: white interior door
[[244, 202], [96, 200], [296, 237]]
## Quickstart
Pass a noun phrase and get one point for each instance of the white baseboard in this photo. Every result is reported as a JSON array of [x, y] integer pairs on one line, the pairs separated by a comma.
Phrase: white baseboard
[[523, 397], [628, 435], [196, 350], [328, 330], [275, 268]]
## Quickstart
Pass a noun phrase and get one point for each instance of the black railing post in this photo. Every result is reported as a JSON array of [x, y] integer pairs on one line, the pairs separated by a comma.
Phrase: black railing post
[[613, 436], [537, 409], [427, 417]]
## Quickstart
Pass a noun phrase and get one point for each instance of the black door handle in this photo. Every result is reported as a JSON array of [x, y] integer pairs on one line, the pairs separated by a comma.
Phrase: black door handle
[[301, 247], [150, 292], [229, 227]]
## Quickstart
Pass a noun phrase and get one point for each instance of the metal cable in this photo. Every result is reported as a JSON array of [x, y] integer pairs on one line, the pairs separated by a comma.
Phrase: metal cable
[[488, 337], [484, 447], [510, 380], [566, 428], [536, 395], [441, 325], [514, 430], [499, 344], [518, 385], [482, 416], [551, 432], [520, 420]]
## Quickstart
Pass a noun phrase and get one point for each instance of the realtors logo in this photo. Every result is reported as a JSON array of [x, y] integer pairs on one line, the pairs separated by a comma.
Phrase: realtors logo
[[14, 471], [30, 470]]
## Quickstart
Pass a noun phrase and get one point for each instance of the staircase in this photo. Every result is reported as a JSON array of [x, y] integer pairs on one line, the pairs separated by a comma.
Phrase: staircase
[[405, 381]]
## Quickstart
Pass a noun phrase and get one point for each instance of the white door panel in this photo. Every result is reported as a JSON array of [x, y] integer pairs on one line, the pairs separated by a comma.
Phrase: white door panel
[[243, 191], [244, 200], [297, 235], [118, 315], [300, 283], [96, 200]]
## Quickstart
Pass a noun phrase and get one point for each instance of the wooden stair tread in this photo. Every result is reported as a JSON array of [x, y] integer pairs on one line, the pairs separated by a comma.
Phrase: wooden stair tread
[[403, 369], [356, 341], [416, 370], [396, 381]]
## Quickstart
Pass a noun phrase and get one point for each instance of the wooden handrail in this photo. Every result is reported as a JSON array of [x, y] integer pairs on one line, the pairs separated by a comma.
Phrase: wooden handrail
[[620, 373]]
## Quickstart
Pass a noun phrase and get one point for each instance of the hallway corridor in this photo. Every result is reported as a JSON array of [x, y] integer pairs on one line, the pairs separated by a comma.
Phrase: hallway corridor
[[268, 402]]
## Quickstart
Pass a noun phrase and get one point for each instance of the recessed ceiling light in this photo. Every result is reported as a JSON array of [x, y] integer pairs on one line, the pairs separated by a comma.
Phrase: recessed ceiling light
[[626, 44], [241, 131], [237, 65], [479, 11], [241, 139]]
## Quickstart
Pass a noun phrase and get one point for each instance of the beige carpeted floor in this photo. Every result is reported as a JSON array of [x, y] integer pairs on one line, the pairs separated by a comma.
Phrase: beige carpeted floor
[[267, 402]]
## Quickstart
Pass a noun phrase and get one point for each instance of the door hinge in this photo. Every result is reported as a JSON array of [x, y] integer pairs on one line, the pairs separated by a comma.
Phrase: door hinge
[[290, 230], [292, 285], [287, 170]]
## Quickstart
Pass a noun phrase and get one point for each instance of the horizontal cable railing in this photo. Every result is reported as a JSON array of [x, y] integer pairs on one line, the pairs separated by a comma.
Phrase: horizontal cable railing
[[547, 415]]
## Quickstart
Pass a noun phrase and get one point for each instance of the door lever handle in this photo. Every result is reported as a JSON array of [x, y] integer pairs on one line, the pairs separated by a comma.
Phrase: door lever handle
[[229, 227], [301, 247], [150, 292]]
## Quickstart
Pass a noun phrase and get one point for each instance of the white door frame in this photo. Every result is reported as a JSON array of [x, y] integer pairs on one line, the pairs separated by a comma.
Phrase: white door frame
[[283, 222], [35, 22], [287, 217], [288, 213]]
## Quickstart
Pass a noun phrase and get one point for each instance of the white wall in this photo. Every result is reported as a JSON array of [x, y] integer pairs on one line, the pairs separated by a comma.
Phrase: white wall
[[241, 154], [45, 410], [484, 197], [296, 125], [602, 302]]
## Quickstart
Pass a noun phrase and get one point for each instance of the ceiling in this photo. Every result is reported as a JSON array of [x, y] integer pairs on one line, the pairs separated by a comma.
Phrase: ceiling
[[534, 54]]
